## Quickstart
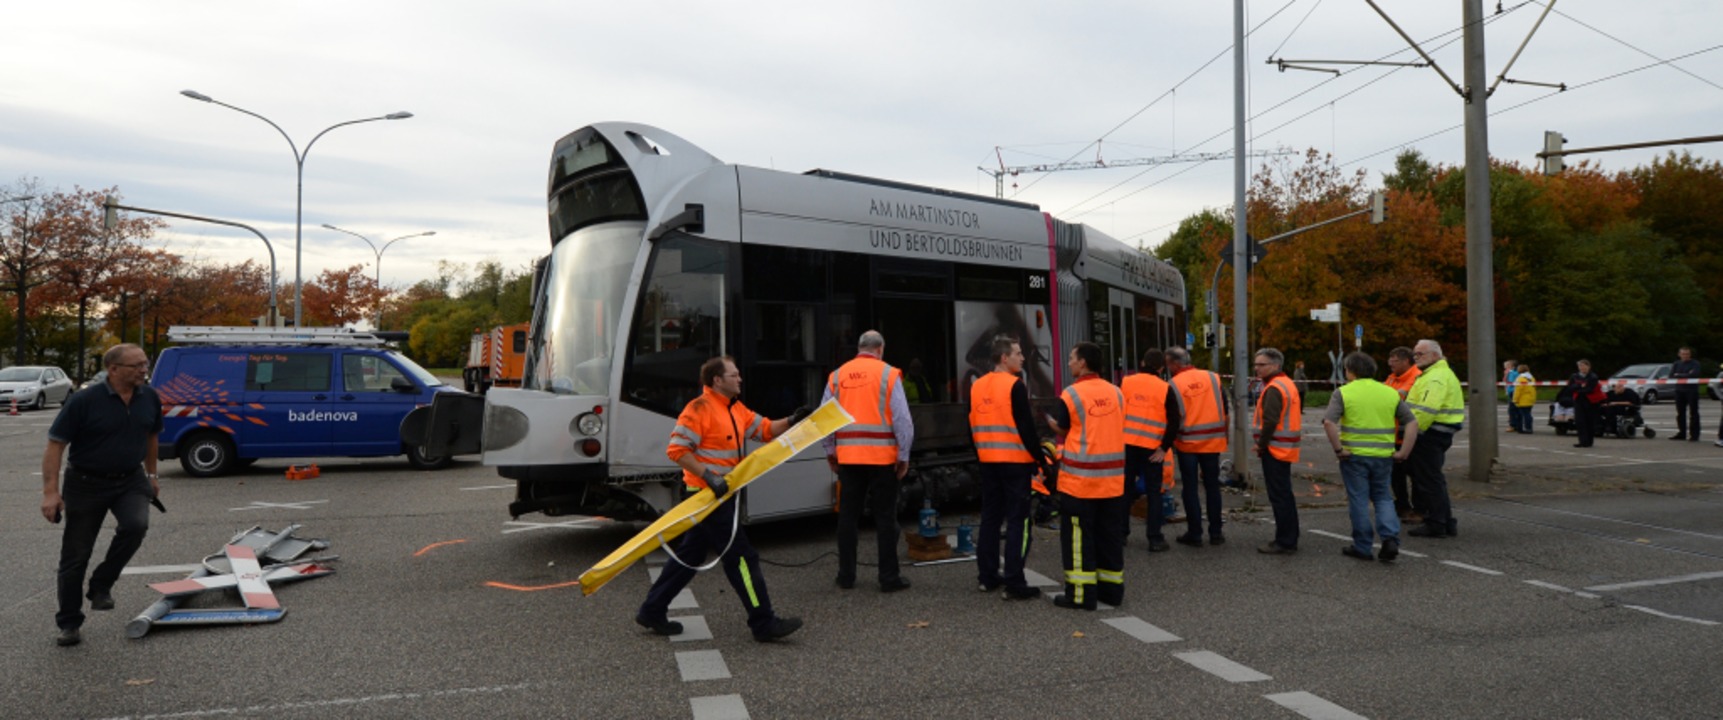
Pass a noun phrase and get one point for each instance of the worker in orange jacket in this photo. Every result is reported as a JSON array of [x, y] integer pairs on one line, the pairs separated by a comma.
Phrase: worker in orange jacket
[[869, 456], [709, 440], [1152, 416], [1009, 450], [1091, 484], [1279, 429], [1201, 440]]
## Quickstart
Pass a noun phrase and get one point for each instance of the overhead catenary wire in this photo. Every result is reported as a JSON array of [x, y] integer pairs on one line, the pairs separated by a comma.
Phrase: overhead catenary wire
[[1537, 99], [1072, 210], [1169, 93], [1631, 46]]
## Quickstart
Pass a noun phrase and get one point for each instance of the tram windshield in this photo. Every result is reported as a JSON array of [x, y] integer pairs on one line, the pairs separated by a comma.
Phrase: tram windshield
[[585, 287]]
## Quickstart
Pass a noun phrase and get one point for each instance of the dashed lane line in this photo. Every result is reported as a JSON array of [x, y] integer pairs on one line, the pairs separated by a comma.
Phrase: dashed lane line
[[1561, 588], [1609, 519], [719, 707], [684, 600], [1338, 536], [1141, 630], [1215, 664], [159, 569], [702, 665], [1312, 706], [1695, 577], [694, 628], [350, 702], [1662, 614], [1472, 568]]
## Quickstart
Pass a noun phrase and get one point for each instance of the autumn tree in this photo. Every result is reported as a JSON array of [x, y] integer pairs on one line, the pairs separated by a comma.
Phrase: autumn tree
[[93, 259], [341, 297], [27, 257]]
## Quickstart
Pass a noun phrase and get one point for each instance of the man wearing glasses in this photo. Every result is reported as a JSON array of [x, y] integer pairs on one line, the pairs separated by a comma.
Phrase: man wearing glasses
[[1439, 405], [111, 429]]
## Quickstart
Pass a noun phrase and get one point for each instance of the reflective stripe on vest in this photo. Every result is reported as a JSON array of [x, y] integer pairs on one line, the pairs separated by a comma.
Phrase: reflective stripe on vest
[[1283, 443], [1092, 464], [1145, 409], [863, 387], [713, 429], [1204, 423], [1367, 425], [1436, 398], [991, 423]]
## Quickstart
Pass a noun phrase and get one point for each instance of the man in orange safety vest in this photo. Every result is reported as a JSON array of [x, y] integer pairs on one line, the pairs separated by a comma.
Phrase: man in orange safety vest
[[870, 456], [1009, 449], [1279, 429]]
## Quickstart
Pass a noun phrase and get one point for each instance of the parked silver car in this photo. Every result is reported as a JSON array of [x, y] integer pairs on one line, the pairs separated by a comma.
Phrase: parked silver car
[[1647, 371], [33, 386]]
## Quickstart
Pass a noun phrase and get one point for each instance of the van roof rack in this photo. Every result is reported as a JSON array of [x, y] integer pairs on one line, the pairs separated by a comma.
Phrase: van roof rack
[[241, 335]]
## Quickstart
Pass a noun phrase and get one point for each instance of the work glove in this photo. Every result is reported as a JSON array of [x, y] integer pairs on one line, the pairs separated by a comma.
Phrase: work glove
[[801, 414], [716, 483]]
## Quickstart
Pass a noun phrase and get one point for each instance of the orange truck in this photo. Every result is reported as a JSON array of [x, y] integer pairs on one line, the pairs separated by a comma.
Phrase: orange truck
[[496, 357]]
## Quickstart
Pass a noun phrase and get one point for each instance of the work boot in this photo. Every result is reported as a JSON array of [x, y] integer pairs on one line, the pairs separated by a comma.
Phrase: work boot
[[100, 600], [1061, 600], [1021, 593], [68, 637], [779, 629], [666, 628]]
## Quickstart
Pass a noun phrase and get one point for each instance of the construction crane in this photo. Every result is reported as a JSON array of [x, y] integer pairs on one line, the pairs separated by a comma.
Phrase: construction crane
[[1098, 163]]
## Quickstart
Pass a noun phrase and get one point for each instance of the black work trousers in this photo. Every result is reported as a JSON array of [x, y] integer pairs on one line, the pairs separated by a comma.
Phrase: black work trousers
[[1277, 478], [740, 561], [1092, 549], [1687, 411], [859, 483], [88, 502], [1138, 469], [1404, 499], [1004, 507], [1428, 482], [1584, 420], [1191, 464]]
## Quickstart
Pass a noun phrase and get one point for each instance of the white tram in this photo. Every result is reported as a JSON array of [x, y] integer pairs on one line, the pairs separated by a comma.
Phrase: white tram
[[663, 256]]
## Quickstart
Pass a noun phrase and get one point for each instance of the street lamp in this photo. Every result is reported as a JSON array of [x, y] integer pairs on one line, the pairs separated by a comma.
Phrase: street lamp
[[379, 252], [20, 198], [110, 220], [299, 197]]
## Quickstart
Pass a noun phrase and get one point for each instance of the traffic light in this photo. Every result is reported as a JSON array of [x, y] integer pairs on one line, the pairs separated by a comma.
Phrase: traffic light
[[1378, 208], [1208, 336], [1553, 141]]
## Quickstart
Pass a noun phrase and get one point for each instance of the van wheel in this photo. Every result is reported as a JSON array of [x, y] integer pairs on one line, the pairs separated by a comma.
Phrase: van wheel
[[207, 455], [420, 461]]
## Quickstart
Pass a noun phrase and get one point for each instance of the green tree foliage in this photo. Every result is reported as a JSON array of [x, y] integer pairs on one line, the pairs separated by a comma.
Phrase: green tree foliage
[[442, 322]]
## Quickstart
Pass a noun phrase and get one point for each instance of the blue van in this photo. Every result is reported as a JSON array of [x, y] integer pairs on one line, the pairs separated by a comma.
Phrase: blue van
[[240, 394]]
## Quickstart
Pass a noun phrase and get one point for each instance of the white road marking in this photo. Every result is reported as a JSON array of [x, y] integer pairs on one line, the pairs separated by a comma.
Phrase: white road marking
[[1035, 579], [1661, 614], [1338, 536], [1472, 568], [524, 525], [278, 708], [1141, 630], [159, 569], [1660, 581], [1587, 595], [702, 665], [261, 505], [693, 628], [1221, 667], [488, 487], [719, 707], [685, 600], [1313, 707], [1548, 586], [1606, 518]]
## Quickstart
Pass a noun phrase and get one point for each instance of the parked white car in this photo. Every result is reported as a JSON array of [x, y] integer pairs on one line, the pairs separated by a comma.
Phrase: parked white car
[[34, 386], [1649, 392], [1717, 386]]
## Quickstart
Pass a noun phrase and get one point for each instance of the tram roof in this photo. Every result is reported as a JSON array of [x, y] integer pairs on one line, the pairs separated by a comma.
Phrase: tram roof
[[911, 187]]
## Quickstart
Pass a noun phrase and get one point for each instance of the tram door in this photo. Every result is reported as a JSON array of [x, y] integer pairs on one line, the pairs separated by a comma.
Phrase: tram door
[[1123, 348]]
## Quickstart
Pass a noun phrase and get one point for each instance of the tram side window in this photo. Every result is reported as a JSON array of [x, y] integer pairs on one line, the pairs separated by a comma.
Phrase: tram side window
[[678, 324]]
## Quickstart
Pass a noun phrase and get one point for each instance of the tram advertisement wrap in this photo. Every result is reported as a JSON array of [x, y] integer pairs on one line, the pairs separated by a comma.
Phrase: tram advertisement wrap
[[979, 322]]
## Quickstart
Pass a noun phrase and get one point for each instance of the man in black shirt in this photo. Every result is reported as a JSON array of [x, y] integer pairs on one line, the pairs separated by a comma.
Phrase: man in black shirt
[[111, 429], [1686, 396]]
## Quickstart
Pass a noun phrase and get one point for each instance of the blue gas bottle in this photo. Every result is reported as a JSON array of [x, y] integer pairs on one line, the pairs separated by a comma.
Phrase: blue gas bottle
[[929, 520]]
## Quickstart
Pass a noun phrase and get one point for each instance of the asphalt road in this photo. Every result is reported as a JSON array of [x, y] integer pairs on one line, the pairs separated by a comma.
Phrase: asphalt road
[[1553, 602]]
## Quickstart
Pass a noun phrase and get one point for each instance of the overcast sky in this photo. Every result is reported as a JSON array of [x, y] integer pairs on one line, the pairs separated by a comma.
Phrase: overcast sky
[[918, 91]]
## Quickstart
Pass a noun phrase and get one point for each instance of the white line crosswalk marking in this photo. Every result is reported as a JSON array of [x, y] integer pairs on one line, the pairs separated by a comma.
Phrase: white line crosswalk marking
[[1312, 706], [719, 707], [1221, 667], [702, 665]]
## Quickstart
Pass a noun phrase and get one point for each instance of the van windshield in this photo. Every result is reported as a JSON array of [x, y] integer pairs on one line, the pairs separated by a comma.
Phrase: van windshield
[[412, 368]]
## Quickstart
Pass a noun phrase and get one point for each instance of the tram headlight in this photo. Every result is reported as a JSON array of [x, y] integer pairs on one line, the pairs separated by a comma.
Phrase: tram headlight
[[588, 424]]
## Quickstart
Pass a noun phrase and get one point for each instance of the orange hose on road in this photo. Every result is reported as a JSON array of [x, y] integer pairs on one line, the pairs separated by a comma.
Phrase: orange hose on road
[[427, 548]]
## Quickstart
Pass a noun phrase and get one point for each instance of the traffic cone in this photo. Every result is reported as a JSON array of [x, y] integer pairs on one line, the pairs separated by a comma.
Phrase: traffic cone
[[14, 407]]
